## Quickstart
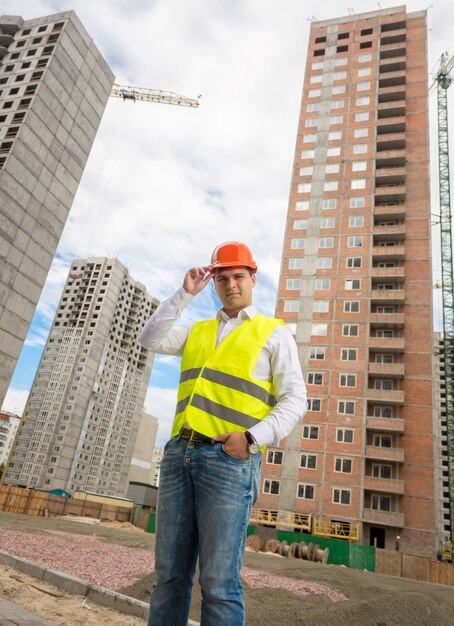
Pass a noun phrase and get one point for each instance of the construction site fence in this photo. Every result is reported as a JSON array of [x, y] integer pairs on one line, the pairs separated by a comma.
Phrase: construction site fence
[[42, 504]]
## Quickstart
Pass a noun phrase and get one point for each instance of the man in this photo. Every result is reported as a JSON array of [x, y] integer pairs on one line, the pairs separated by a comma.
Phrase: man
[[241, 388]]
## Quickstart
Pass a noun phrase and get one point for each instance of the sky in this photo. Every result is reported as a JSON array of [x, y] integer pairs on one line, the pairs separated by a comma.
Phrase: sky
[[165, 184]]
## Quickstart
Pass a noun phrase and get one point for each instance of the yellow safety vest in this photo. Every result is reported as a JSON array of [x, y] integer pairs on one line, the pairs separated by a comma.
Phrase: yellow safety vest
[[217, 391]]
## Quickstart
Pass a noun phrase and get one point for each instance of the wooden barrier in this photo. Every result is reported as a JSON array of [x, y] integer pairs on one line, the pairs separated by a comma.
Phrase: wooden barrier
[[416, 567], [387, 562], [442, 573], [39, 503]]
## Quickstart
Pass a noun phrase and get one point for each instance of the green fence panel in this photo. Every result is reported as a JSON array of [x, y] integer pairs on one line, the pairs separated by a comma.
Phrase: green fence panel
[[151, 528], [250, 530], [362, 557]]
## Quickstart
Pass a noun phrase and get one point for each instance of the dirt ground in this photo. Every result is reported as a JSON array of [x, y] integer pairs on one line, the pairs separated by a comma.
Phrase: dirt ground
[[372, 599]]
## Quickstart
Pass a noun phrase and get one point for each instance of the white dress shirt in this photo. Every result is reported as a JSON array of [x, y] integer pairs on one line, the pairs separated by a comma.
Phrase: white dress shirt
[[278, 361]]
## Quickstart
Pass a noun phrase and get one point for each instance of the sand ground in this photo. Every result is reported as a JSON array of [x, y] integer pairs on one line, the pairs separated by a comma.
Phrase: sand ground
[[372, 599]]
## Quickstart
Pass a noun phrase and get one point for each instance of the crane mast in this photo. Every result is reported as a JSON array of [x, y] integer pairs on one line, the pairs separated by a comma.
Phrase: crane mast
[[444, 80], [152, 95]]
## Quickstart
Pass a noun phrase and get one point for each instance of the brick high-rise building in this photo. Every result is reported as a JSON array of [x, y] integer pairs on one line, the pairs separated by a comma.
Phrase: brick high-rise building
[[83, 413], [54, 85], [355, 286]]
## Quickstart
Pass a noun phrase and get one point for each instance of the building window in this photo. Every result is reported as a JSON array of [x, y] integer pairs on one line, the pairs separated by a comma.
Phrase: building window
[[385, 412], [332, 168], [274, 457], [314, 93], [351, 306], [350, 330], [313, 107], [360, 148], [383, 384], [347, 380], [311, 122], [324, 263], [362, 101], [322, 284], [358, 202], [320, 306], [356, 221], [308, 170], [363, 86], [298, 244], [337, 104], [326, 242], [341, 496], [316, 79], [304, 187], [336, 119], [329, 203], [293, 284], [317, 353], [299, 224], [314, 404], [295, 264], [349, 354], [315, 378], [361, 132], [343, 465], [291, 306], [321, 39], [380, 503], [310, 432], [302, 205], [318, 65], [358, 183], [335, 135], [327, 222], [365, 44], [330, 185], [355, 242], [340, 75], [344, 435], [364, 58], [319, 330], [307, 154], [359, 166], [346, 407], [382, 471], [308, 461], [338, 89], [319, 53], [306, 492], [271, 487]]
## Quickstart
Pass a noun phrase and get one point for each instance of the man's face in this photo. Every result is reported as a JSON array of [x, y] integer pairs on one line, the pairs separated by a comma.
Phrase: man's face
[[234, 287]]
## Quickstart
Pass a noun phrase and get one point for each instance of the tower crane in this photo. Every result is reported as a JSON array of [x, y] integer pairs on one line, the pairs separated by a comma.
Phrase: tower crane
[[443, 80], [152, 95]]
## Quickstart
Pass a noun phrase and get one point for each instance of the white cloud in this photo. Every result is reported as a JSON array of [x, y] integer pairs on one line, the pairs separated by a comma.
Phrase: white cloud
[[15, 401]]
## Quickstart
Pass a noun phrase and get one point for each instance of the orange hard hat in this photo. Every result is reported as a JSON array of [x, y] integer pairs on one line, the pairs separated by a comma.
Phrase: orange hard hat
[[233, 254]]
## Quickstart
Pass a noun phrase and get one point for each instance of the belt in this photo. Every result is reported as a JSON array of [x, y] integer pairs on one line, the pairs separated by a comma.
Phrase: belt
[[193, 435]]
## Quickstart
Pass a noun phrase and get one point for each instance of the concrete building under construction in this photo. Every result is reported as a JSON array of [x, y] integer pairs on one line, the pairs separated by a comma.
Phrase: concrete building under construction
[[356, 291], [82, 417], [54, 85]]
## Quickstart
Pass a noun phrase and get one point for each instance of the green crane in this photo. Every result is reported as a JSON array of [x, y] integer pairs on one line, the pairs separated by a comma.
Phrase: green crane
[[444, 80]]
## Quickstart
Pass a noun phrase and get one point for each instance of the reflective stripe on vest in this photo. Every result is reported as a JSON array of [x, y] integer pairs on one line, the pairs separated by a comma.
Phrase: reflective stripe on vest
[[217, 391]]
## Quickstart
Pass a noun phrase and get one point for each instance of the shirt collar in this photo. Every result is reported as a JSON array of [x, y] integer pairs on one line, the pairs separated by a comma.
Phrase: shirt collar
[[244, 314]]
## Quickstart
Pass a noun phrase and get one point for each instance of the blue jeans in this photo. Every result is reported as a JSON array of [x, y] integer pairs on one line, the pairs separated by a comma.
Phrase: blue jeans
[[204, 503]]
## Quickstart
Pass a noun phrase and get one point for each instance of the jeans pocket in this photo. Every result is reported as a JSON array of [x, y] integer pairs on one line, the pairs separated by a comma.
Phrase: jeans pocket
[[235, 459]]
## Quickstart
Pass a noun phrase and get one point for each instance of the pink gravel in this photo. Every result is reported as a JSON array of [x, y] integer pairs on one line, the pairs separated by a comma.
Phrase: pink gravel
[[114, 566], [259, 580], [89, 558]]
